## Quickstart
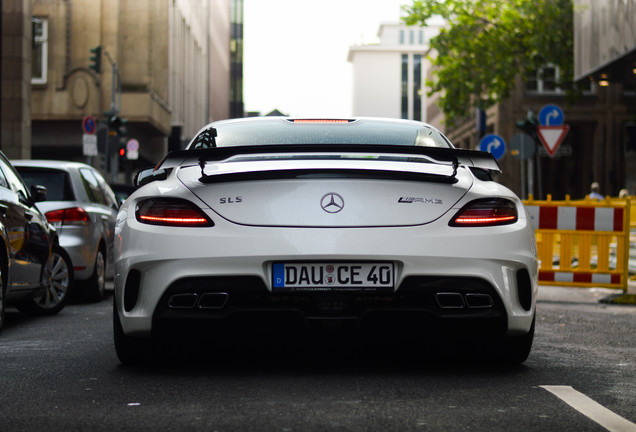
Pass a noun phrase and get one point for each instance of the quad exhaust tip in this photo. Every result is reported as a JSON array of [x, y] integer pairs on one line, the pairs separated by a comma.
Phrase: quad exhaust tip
[[215, 300], [455, 300]]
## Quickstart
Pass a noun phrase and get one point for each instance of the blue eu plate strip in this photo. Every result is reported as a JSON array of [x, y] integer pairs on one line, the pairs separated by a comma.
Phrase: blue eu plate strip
[[278, 270]]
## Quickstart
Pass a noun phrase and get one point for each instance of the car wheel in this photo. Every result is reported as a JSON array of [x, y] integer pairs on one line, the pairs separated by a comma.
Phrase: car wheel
[[57, 284], [2, 304], [516, 349], [94, 290], [130, 350]]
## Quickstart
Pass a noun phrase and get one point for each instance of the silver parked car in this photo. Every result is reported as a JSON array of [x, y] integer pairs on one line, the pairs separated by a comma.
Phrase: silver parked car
[[83, 208]]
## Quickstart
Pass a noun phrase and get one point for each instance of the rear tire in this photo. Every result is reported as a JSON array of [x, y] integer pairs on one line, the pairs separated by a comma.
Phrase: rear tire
[[516, 349], [2, 302], [57, 285], [94, 289], [130, 350]]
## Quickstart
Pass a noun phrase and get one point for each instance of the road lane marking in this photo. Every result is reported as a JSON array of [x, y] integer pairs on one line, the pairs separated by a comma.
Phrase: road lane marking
[[588, 407]]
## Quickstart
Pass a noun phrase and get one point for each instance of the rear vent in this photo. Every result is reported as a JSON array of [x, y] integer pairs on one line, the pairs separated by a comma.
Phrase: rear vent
[[524, 289], [131, 290]]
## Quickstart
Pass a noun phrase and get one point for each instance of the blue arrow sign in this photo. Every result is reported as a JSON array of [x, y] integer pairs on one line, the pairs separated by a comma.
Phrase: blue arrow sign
[[493, 144], [551, 115]]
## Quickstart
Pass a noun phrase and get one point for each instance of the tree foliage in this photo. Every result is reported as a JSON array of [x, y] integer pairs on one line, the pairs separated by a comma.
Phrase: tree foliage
[[488, 43]]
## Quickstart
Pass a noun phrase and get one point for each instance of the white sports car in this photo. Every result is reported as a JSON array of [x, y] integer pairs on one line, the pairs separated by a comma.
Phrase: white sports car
[[280, 225]]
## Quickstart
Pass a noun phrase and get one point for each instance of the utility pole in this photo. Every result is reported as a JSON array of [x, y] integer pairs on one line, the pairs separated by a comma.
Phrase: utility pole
[[116, 125]]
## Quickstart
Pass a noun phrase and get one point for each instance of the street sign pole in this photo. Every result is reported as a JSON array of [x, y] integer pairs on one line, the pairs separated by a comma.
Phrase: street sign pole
[[531, 176], [523, 178], [540, 176]]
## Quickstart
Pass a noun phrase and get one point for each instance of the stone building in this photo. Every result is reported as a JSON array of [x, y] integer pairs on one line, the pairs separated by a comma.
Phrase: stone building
[[15, 53], [601, 142], [388, 77], [165, 68]]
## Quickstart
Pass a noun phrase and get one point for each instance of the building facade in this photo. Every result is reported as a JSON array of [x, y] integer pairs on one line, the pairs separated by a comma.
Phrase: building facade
[[601, 142], [605, 54], [165, 68], [15, 53], [388, 78]]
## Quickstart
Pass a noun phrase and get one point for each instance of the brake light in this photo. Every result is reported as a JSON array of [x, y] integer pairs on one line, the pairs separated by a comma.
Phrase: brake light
[[486, 212], [69, 216], [171, 212], [320, 121]]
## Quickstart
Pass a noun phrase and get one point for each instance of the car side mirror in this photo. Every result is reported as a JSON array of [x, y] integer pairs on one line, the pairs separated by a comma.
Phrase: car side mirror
[[149, 175], [38, 193]]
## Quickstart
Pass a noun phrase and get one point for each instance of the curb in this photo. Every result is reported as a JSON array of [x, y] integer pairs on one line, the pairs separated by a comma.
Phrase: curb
[[620, 299]]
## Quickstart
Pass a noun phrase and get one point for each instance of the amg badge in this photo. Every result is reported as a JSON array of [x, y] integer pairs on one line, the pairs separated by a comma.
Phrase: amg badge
[[411, 200]]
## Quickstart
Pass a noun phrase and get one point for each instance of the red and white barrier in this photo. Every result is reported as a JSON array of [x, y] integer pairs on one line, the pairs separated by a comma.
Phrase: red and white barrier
[[576, 218]]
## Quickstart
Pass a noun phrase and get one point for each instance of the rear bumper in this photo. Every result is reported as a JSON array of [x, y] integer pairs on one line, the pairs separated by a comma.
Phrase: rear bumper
[[79, 244], [430, 307], [153, 264]]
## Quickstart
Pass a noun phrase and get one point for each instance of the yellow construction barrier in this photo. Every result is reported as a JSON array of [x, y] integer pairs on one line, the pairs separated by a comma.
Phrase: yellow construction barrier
[[624, 201], [583, 243]]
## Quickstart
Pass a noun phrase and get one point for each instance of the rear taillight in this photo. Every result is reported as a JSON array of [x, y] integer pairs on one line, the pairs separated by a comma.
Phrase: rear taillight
[[486, 212], [69, 216], [171, 212]]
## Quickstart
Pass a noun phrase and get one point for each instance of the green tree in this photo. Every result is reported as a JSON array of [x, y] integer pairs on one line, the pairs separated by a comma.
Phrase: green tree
[[488, 43]]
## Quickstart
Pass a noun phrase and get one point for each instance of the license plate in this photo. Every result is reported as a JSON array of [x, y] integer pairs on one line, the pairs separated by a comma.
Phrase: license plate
[[333, 276]]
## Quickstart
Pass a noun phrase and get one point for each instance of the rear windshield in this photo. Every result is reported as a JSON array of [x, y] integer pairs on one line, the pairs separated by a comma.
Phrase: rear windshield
[[58, 185], [281, 132]]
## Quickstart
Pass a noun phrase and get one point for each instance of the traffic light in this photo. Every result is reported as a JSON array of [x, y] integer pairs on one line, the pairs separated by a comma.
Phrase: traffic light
[[529, 126], [96, 59], [118, 125], [122, 150], [122, 127]]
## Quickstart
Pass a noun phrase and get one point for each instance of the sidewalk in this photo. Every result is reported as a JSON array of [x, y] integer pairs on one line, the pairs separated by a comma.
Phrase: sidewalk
[[588, 295]]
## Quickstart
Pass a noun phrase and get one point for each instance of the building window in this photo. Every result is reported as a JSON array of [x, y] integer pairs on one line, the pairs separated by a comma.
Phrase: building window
[[40, 50], [417, 87], [411, 37], [405, 86], [544, 80], [401, 37]]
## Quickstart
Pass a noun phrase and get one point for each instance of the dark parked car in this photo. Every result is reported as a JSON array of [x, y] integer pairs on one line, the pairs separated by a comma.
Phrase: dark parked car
[[36, 274], [83, 208]]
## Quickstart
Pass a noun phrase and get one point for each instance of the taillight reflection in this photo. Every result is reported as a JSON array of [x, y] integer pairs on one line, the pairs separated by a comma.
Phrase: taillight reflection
[[171, 212], [69, 216], [486, 212]]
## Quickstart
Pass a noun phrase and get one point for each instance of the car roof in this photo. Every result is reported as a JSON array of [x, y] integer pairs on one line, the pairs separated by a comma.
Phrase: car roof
[[288, 130], [278, 119], [45, 163]]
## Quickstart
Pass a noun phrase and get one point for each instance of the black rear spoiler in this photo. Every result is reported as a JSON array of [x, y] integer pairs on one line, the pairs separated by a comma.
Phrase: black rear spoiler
[[468, 158]]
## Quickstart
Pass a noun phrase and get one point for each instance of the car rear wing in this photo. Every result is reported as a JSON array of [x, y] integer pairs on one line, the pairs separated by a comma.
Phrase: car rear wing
[[448, 156]]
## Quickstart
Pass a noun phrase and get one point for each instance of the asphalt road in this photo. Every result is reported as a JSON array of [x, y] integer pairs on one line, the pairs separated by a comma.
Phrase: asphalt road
[[61, 373]]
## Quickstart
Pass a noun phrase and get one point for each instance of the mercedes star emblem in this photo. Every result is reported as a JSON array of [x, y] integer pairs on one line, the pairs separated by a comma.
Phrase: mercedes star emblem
[[332, 202]]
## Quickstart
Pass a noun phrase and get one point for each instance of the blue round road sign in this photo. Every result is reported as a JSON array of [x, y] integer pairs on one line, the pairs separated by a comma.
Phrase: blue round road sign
[[493, 144], [89, 125], [551, 115]]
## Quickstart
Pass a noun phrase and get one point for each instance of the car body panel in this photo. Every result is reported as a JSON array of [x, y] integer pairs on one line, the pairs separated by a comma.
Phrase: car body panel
[[80, 241], [27, 238], [269, 209], [293, 202]]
